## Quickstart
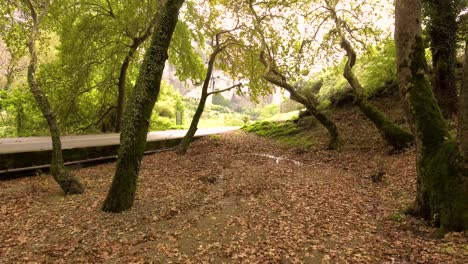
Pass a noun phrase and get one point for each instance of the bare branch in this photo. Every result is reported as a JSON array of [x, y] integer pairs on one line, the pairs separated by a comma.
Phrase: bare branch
[[226, 89]]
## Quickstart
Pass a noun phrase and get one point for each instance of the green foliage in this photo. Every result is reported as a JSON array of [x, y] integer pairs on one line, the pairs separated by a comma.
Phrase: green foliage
[[188, 63], [164, 112], [235, 120], [285, 132], [19, 114], [289, 105], [374, 70], [269, 111], [220, 100], [397, 217]]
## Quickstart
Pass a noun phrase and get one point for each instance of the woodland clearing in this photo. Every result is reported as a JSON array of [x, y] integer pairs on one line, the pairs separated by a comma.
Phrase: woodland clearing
[[230, 201]]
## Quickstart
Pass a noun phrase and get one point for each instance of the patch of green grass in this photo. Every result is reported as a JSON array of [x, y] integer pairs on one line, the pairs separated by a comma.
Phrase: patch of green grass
[[285, 132], [397, 217]]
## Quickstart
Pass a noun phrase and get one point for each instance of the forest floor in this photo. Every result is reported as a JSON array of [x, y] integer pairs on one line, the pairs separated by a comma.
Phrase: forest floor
[[236, 198]]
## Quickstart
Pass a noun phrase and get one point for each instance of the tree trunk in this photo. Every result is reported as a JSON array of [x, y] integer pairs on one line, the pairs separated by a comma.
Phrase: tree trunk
[[394, 135], [310, 106], [121, 92], [442, 189], [19, 120], [137, 116], [68, 183], [123, 76], [463, 113], [274, 76], [188, 138], [443, 33]]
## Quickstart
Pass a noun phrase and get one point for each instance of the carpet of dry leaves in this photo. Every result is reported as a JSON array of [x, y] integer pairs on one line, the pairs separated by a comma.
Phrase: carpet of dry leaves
[[235, 198]]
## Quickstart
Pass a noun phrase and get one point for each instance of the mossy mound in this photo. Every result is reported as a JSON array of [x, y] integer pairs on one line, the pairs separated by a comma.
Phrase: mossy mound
[[286, 132]]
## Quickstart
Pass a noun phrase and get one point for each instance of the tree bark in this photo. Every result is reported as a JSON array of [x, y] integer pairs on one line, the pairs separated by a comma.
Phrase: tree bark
[[463, 113], [443, 34], [137, 116], [310, 106], [68, 183], [394, 135], [442, 189], [123, 75], [121, 91], [188, 138]]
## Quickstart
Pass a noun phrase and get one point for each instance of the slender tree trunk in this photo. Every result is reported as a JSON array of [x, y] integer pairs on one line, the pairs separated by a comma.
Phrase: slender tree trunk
[[123, 76], [443, 33], [19, 120], [68, 183], [188, 138], [442, 189], [333, 142], [463, 113], [310, 106], [121, 92], [394, 135], [273, 76], [137, 116]]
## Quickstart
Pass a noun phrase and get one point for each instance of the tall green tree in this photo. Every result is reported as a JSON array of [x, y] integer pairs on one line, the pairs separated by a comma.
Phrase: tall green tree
[[136, 119], [442, 184]]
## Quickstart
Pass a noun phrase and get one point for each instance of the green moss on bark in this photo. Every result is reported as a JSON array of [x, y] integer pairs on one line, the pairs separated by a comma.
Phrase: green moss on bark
[[136, 118], [442, 183], [394, 135], [444, 187]]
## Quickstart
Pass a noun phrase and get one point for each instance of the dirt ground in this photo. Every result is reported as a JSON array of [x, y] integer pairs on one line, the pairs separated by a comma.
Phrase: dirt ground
[[235, 198]]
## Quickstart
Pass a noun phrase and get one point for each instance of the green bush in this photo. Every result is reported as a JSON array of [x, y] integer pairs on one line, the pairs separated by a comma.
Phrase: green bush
[[220, 100], [269, 111]]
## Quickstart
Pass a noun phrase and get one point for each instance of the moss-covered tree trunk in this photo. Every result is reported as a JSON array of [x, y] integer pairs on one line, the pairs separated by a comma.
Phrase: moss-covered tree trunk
[[122, 90], [333, 143], [394, 135], [273, 76], [442, 28], [137, 116], [68, 183], [442, 191]]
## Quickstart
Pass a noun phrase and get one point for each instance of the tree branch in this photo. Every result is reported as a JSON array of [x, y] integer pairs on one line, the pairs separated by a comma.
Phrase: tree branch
[[226, 89]]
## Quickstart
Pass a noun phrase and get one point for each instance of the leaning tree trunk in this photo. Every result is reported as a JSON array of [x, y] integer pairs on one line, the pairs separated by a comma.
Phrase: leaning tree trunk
[[188, 138], [137, 116], [68, 183], [310, 106], [442, 191], [394, 135], [442, 30], [273, 76], [322, 118]]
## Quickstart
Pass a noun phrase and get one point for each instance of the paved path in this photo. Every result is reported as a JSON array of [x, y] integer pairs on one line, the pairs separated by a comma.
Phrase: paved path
[[29, 144]]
